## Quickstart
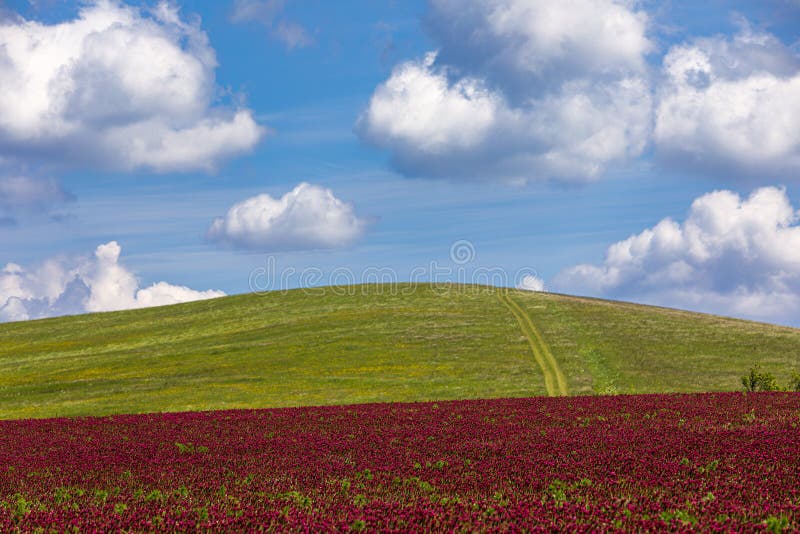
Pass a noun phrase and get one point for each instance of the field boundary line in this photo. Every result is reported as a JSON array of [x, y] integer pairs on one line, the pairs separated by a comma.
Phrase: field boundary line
[[539, 346]]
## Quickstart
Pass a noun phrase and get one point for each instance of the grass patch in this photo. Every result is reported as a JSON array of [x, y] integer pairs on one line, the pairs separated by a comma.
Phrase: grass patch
[[368, 344]]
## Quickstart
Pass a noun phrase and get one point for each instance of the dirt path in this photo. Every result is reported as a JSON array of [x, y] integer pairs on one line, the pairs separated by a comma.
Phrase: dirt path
[[555, 382]]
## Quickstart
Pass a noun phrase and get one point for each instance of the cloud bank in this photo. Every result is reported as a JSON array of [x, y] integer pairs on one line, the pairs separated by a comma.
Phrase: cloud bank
[[518, 91], [117, 87], [68, 286], [732, 256], [308, 217], [524, 90], [731, 104]]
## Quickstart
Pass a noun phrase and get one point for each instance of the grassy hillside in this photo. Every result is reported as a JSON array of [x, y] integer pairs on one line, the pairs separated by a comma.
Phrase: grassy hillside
[[372, 345]]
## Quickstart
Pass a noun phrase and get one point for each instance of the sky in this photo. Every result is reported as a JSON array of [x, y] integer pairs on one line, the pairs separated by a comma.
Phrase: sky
[[161, 152]]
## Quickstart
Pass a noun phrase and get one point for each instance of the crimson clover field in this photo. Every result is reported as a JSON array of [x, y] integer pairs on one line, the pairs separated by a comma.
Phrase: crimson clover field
[[724, 462], [225, 428]]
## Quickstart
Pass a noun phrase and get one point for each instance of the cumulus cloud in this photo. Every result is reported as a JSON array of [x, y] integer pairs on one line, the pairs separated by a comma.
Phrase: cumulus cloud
[[732, 255], [419, 110], [268, 13], [68, 286], [731, 104], [541, 40], [531, 282], [119, 87], [518, 91], [308, 217]]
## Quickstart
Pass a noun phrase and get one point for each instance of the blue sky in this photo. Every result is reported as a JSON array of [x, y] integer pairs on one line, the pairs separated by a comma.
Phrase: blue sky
[[305, 72]]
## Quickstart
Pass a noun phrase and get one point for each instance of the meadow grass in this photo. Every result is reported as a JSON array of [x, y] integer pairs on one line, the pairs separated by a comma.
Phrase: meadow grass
[[616, 347], [368, 344]]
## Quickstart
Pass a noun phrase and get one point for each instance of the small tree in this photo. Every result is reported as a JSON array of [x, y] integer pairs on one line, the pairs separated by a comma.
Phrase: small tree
[[758, 381]]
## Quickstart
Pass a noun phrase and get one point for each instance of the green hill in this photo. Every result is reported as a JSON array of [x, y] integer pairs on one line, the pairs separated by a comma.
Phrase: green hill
[[373, 344]]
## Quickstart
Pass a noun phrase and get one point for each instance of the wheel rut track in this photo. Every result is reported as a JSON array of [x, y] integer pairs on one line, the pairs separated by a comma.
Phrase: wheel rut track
[[555, 382]]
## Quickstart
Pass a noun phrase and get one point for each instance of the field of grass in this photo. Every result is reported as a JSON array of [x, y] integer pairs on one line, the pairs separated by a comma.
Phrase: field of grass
[[372, 344], [614, 347]]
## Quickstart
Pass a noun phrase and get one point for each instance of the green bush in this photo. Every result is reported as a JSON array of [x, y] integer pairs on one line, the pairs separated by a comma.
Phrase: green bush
[[758, 381]]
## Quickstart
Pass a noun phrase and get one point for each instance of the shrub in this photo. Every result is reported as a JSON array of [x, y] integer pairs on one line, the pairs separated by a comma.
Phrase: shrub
[[758, 381]]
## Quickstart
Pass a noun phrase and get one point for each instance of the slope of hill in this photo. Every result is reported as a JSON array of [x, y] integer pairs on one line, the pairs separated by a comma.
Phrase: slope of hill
[[372, 344]]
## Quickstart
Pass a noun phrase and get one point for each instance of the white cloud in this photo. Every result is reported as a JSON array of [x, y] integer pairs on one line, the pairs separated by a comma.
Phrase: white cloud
[[67, 286], [268, 13], [518, 91], [531, 282], [201, 146], [541, 37], [119, 87], [732, 104], [418, 109], [308, 217], [463, 130], [732, 255]]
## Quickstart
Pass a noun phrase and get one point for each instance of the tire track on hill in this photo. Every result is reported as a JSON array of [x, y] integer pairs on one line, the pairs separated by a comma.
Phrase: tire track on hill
[[555, 382], [549, 381]]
